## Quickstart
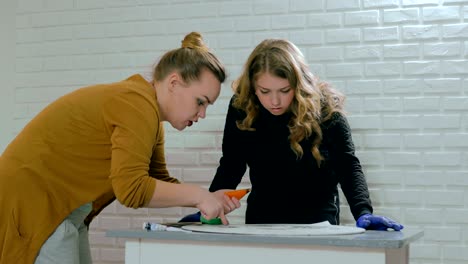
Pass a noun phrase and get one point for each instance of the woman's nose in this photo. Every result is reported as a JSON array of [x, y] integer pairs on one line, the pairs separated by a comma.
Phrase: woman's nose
[[202, 112]]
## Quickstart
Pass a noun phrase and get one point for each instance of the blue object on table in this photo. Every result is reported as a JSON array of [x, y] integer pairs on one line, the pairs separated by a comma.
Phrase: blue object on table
[[191, 217], [376, 222]]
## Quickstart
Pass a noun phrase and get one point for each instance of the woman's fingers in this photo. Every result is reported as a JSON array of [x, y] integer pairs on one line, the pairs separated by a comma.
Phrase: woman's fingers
[[230, 204], [223, 218]]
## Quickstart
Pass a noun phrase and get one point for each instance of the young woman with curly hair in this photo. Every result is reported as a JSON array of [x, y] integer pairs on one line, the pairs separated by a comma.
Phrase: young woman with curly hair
[[289, 129]]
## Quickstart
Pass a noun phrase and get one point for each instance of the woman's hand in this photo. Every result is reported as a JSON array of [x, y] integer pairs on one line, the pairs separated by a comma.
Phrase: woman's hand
[[211, 206], [230, 204]]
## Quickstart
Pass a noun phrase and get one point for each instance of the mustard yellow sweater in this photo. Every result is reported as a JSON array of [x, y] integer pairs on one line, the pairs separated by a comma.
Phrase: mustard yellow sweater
[[95, 144]]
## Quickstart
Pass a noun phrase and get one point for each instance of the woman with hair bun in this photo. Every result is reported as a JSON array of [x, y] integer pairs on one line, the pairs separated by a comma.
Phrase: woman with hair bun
[[98, 144]]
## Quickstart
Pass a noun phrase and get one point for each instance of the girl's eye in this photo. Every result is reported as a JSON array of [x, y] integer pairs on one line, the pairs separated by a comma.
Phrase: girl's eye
[[286, 91], [200, 102], [263, 92]]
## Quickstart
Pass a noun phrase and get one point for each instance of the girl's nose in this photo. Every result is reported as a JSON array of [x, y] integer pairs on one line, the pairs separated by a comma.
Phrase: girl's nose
[[275, 100]]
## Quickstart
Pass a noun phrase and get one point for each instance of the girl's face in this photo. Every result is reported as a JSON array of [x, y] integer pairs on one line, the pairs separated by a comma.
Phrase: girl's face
[[190, 101], [274, 93]]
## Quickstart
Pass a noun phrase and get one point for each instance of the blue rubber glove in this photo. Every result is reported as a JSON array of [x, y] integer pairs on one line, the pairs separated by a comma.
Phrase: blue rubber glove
[[376, 222], [191, 217]]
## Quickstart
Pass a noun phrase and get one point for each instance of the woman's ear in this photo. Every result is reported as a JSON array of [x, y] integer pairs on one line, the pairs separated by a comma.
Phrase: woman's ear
[[174, 79]]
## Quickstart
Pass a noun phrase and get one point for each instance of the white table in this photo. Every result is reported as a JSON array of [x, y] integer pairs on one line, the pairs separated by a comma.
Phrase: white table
[[144, 247]]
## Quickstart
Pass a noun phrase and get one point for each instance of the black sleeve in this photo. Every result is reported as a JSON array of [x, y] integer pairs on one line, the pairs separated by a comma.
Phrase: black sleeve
[[348, 168], [232, 164]]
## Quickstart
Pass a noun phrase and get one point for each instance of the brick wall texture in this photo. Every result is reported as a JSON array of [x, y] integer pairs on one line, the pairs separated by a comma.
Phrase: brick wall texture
[[402, 64]]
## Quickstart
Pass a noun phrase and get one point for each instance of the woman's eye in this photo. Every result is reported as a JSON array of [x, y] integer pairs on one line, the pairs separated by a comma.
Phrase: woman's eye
[[263, 92], [200, 102], [286, 91]]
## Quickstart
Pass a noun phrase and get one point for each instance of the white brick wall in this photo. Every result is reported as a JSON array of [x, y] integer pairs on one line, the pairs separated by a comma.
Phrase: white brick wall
[[7, 72], [402, 64]]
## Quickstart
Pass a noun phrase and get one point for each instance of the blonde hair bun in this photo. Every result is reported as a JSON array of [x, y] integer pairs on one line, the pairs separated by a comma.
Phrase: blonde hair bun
[[194, 40]]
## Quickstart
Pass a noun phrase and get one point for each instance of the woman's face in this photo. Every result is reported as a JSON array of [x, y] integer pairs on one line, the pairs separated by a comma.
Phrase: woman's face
[[274, 93], [190, 101]]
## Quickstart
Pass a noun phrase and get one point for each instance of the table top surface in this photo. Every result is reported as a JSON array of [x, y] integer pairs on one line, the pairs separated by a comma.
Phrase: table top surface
[[368, 239]]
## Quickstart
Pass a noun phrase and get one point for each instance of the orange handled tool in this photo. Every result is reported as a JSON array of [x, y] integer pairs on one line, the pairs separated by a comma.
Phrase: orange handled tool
[[238, 193]]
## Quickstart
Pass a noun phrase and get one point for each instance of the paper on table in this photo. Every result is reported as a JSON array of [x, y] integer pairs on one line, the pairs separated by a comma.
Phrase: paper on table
[[317, 229], [324, 223]]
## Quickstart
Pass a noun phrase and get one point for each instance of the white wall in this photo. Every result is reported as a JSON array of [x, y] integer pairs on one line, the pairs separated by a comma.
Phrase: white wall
[[7, 70], [402, 63]]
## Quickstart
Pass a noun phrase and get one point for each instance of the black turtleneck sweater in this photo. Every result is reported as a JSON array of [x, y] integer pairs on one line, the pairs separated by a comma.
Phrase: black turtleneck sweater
[[286, 189]]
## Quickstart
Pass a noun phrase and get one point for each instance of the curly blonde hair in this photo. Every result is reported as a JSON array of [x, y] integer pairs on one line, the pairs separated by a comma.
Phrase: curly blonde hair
[[314, 101]]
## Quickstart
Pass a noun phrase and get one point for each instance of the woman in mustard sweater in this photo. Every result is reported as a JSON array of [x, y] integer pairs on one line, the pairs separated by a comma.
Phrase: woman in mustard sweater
[[98, 144]]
